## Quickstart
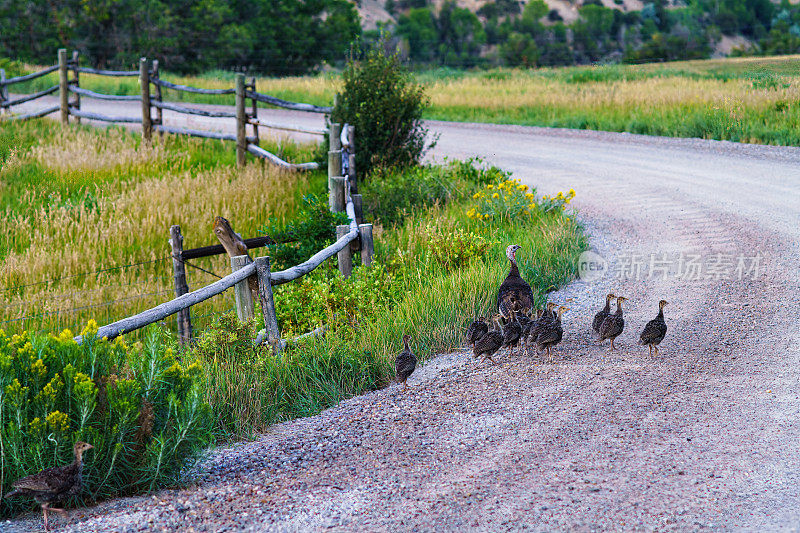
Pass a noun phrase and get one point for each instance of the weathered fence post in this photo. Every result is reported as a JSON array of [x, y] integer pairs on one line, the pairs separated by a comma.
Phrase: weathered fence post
[[3, 90], [351, 154], [252, 87], [76, 104], [337, 194], [358, 206], [268, 303], [245, 308], [63, 85], [159, 111], [334, 166], [181, 285], [345, 255], [241, 121], [144, 79], [365, 232]]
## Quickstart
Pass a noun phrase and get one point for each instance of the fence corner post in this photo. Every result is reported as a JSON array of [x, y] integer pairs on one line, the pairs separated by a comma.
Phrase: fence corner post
[[268, 303], [367, 245], [345, 255], [241, 121], [144, 80], [181, 285], [245, 309], [63, 86]]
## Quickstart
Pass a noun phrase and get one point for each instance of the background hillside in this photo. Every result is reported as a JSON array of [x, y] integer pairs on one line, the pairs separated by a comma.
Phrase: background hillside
[[279, 37]]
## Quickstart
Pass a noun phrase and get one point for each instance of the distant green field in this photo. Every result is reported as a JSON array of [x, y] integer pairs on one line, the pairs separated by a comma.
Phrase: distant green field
[[752, 100]]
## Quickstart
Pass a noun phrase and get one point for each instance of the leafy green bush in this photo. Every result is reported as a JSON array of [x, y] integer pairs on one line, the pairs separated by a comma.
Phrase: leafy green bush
[[392, 193], [311, 230], [12, 68], [384, 104], [139, 408]]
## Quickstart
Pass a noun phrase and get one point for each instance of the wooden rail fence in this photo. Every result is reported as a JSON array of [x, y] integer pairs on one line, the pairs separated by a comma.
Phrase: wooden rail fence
[[151, 98]]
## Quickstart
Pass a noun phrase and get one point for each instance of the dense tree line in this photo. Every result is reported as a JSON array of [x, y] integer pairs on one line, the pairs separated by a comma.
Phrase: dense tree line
[[508, 32], [267, 36]]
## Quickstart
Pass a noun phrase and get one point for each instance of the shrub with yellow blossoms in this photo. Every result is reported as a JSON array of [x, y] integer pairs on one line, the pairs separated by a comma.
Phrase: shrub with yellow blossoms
[[140, 409], [509, 199]]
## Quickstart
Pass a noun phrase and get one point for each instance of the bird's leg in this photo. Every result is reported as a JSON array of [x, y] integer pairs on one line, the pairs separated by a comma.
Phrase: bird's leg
[[405, 386], [656, 347], [44, 511], [651, 349], [612, 344]]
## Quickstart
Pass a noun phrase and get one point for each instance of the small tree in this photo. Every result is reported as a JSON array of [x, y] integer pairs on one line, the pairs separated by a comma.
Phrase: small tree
[[385, 105]]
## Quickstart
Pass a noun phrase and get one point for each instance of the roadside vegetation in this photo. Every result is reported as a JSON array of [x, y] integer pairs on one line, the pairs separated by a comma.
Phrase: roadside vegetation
[[94, 197], [87, 215]]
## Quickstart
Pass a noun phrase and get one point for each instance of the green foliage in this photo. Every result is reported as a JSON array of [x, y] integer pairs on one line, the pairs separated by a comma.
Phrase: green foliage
[[277, 36], [12, 68], [139, 408], [311, 230], [391, 194], [385, 105]]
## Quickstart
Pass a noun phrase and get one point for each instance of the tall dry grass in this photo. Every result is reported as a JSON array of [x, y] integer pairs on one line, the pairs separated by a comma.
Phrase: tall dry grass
[[109, 202]]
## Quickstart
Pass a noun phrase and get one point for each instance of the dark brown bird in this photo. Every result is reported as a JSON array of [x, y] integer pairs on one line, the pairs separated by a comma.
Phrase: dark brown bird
[[546, 317], [655, 330], [514, 291], [551, 333], [405, 363], [512, 332], [602, 314], [491, 342], [526, 329], [613, 324], [53, 484], [476, 330]]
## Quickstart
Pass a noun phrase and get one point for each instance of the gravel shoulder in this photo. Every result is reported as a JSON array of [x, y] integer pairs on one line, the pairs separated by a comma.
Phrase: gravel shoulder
[[703, 436]]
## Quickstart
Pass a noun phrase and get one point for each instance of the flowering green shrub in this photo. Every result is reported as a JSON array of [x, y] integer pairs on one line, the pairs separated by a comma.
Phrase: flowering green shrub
[[508, 199], [138, 407]]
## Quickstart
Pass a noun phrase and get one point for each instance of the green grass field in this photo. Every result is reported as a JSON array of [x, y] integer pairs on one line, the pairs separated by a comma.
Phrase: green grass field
[[752, 100]]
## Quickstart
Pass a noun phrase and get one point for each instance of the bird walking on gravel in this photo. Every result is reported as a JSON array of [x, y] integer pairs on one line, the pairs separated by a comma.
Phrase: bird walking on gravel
[[602, 314], [545, 317], [512, 332], [655, 330], [613, 324], [491, 342], [551, 333], [405, 363], [476, 330], [53, 484]]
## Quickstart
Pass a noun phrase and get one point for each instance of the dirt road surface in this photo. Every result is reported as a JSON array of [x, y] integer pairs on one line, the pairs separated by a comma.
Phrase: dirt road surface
[[704, 436]]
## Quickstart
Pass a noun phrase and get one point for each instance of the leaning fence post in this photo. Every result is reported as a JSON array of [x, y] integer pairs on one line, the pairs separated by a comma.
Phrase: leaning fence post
[[345, 255], [241, 121], [365, 232], [244, 297], [181, 285], [76, 104], [337, 194], [144, 79], [268, 303], [3, 90], [63, 86]]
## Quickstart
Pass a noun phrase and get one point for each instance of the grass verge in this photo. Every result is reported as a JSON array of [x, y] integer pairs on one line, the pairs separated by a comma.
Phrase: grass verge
[[88, 213]]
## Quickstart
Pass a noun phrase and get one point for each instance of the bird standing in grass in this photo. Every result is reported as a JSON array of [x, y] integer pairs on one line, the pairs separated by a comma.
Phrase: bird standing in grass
[[405, 363], [476, 330], [53, 484], [514, 292], [613, 324], [602, 314], [491, 342], [655, 330]]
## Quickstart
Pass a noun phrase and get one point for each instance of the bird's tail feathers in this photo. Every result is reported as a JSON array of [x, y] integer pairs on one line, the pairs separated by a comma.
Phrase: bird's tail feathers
[[11, 494]]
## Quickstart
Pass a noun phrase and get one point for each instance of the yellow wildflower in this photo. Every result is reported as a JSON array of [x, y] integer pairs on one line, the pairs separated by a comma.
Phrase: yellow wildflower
[[529, 196], [495, 195], [476, 196], [490, 186], [91, 328], [572, 192], [58, 421]]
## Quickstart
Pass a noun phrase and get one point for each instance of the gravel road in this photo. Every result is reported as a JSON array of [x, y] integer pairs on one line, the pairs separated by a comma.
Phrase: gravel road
[[703, 436]]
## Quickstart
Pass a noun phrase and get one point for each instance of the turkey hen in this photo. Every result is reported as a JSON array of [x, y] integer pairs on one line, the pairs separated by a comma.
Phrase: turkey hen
[[514, 292]]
